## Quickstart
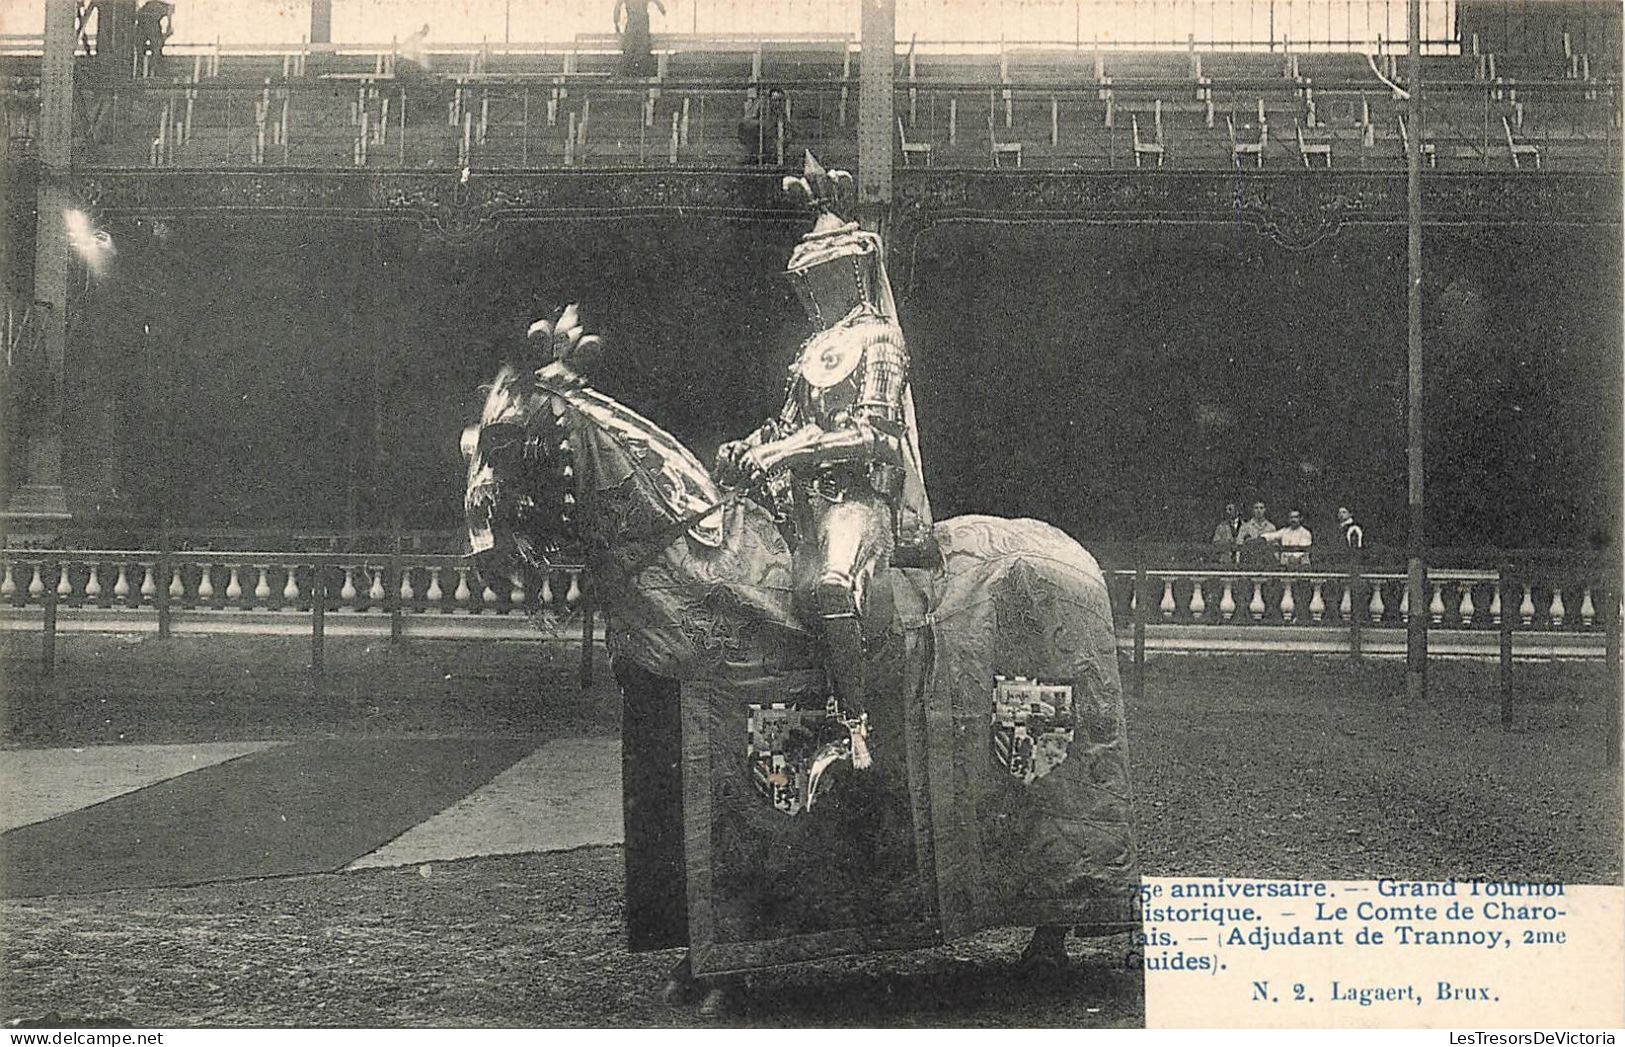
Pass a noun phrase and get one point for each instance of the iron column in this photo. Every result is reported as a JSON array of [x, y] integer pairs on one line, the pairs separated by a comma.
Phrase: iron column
[[1416, 635]]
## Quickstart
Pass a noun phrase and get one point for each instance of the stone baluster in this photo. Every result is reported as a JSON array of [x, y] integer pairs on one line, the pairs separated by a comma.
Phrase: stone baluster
[[1588, 610], [1317, 604], [1198, 602], [375, 592], [1133, 601], [546, 595], [234, 585], [1436, 605], [149, 587], [1495, 602], [205, 584], [572, 596], [1526, 609], [1345, 605], [290, 589], [36, 587], [262, 589], [64, 583], [177, 585], [407, 595], [93, 584], [121, 588], [8, 585], [1405, 603], [1559, 612], [516, 595], [1167, 604], [463, 592], [434, 594], [488, 595], [1289, 603], [1227, 602], [1467, 611], [1255, 606], [1378, 608], [347, 591]]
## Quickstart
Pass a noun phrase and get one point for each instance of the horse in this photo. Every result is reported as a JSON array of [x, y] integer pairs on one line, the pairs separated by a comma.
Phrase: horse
[[999, 793]]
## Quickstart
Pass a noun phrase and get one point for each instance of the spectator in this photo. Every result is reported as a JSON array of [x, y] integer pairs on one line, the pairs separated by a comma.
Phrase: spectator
[[87, 11], [154, 24], [636, 57], [1294, 540], [1353, 534], [1224, 534], [765, 130], [1254, 548]]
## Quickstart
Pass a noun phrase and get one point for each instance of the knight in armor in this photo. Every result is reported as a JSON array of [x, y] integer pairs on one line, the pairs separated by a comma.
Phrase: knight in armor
[[843, 449]]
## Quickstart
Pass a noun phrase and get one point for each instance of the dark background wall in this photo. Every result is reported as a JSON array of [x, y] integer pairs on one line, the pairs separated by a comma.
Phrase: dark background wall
[[1127, 381], [1119, 381]]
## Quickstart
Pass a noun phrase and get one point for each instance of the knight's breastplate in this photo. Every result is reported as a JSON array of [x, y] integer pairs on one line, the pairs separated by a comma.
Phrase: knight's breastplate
[[827, 375]]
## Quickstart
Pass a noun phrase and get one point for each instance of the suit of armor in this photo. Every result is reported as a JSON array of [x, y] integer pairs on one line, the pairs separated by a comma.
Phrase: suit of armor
[[844, 439]]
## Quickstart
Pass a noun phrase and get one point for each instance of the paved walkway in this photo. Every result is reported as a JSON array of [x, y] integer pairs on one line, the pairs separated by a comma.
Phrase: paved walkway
[[37, 784], [566, 794]]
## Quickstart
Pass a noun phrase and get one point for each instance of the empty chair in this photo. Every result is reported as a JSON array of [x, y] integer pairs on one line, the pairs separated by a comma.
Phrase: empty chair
[[999, 149], [1519, 150], [1310, 148], [1429, 152], [1255, 150], [1143, 148], [921, 149]]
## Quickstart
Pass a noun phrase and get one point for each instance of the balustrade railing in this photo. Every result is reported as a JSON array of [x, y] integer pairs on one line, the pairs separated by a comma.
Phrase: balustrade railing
[[1458, 599], [1530, 602], [1536, 592]]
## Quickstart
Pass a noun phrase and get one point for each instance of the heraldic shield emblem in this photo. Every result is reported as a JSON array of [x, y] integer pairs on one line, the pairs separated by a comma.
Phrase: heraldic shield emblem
[[1032, 725], [782, 753]]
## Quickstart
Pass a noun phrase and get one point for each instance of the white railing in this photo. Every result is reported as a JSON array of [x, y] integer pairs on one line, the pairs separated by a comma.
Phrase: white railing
[[410, 594], [1461, 599]]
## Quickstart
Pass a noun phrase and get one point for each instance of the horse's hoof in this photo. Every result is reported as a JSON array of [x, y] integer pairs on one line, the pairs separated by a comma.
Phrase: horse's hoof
[[1046, 951], [714, 1004]]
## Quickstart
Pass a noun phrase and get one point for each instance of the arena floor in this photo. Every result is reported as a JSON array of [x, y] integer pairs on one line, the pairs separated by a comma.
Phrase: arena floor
[[198, 832]]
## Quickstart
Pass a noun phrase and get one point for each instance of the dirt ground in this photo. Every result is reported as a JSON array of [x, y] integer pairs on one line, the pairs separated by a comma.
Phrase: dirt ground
[[1261, 766]]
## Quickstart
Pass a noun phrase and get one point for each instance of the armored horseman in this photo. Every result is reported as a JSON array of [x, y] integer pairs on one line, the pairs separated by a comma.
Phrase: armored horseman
[[842, 454]]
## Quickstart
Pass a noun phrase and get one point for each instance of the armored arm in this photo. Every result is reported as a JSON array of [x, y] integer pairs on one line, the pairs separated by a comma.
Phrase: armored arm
[[871, 430]]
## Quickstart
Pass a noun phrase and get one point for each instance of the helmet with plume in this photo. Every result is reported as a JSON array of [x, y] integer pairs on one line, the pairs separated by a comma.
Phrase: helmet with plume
[[836, 267]]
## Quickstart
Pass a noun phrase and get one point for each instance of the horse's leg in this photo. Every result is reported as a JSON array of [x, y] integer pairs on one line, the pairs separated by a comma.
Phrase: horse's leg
[[1047, 949]]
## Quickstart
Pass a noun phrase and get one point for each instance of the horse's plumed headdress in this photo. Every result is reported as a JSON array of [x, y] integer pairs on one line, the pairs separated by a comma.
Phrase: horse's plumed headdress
[[564, 341]]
